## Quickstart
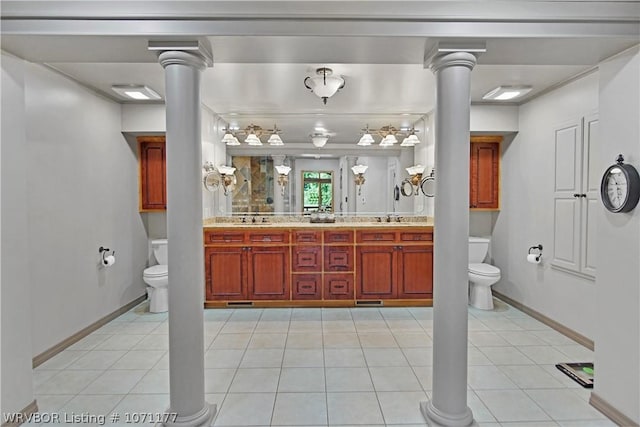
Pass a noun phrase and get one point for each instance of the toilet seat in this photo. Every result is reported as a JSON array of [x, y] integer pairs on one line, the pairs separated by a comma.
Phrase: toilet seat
[[156, 271], [486, 270]]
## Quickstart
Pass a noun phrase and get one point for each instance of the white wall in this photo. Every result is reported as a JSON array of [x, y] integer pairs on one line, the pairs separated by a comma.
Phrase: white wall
[[526, 215], [617, 313], [82, 194], [143, 118], [376, 191], [16, 345], [494, 119]]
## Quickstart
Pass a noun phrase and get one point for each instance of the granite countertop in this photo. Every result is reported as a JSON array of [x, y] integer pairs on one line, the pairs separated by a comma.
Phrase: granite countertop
[[285, 222]]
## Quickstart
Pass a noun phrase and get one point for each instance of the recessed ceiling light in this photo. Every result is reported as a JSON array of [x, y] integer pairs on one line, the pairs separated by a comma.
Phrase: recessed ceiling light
[[137, 92], [505, 93]]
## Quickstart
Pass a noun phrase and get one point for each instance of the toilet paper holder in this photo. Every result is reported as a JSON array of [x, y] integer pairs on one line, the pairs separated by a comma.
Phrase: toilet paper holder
[[537, 247], [105, 253]]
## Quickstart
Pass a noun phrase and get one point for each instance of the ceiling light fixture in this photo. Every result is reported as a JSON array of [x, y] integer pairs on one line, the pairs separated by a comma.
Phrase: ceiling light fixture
[[505, 93], [319, 140], [324, 84], [136, 92]]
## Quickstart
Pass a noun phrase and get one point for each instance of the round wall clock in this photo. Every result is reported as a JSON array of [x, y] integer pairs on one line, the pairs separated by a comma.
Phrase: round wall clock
[[620, 187]]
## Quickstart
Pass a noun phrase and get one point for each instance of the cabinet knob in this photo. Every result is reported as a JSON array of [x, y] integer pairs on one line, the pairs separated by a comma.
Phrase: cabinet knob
[[576, 195]]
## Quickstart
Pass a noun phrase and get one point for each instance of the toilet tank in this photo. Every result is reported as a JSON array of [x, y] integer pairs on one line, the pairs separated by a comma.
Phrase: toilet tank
[[478, 247], [160, 251]]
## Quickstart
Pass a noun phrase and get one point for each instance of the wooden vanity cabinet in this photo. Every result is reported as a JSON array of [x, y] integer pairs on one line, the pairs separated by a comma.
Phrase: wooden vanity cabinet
[[268, 272], [247, 265], [394, 264], [152, 173], [225, 273], [484, 173], [333, 267]]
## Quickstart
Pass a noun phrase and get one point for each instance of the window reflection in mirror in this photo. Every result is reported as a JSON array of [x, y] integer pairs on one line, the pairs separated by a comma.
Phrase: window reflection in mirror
[[317, 191]]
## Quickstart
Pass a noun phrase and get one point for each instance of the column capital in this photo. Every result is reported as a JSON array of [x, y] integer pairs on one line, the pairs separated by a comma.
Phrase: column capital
[[194, 53], [451, 54], [278, 158]]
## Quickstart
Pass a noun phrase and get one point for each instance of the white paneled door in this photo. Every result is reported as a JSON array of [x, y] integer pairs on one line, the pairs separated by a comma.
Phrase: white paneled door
[[576, 196]]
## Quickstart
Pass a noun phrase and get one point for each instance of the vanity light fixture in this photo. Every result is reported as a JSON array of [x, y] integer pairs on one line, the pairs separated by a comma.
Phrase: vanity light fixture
[[507, 93], [324, 84], [358, 171], [136, 92], [253, 134], [283, 176], [228, 177], [389, 136]]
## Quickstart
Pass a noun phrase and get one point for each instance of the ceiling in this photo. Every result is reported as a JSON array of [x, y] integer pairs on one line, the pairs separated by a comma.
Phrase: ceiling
[[259, 79]]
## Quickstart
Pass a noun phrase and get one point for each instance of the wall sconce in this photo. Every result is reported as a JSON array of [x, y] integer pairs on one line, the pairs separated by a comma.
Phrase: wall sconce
[[358, 171], [283, 179], [416, 174], [228, 177]]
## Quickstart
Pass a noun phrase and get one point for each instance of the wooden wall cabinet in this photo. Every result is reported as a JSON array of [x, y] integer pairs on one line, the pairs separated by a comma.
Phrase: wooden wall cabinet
[[484, 174], [152, 173]]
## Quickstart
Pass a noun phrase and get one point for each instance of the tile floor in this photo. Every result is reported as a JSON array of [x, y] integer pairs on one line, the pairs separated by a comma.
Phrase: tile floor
[[323, 367]]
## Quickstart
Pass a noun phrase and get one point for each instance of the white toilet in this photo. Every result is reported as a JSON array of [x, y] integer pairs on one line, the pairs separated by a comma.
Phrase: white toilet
[[157, 277], [481, 275]]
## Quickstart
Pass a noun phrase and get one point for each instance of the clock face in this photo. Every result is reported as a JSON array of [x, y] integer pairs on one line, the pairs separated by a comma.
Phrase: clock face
[[616, 186], [620, 188]]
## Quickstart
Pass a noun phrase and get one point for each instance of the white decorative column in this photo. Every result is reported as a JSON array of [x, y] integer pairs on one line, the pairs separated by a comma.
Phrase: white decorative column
[[448, 405], [278, 197], [183, 63]]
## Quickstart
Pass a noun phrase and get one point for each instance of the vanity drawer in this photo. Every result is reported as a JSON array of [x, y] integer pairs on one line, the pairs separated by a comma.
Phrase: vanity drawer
[[338, 258], [338, 286], [376, 236], [217, 237], [306, 236], [269, 237], [307, 258], [307, 286], [345, 236], [416, 236]]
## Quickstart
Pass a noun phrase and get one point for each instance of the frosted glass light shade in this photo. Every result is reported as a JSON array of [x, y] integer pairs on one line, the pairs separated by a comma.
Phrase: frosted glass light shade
[[410, 141], [319, 141], [275, 139], [252, 139], [388, 141], [357, 169], [414, 170], [226, 170], [325, 87], [366, 139], [283, 170]]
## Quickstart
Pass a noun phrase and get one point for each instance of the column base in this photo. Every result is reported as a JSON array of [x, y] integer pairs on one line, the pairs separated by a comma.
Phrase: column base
[[203, 418], [436, 418]]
